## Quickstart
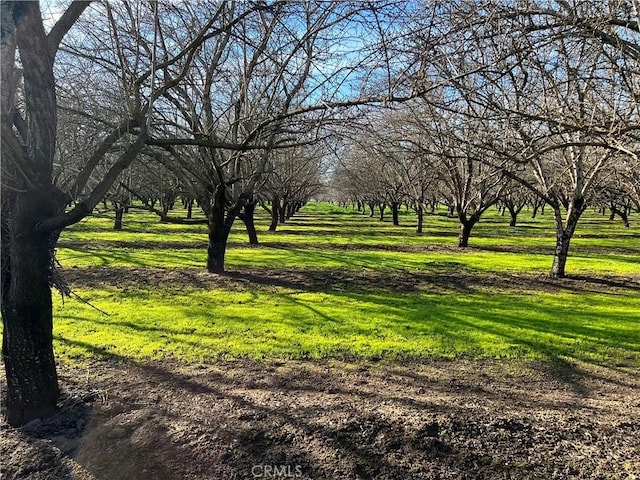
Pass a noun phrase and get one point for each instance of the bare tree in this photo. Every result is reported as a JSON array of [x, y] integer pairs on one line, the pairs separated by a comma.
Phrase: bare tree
[[38, 203], [294, 176], [556, 81], [270, 83]]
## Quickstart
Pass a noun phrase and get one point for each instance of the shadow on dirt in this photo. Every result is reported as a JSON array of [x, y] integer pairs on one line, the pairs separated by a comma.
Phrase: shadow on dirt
[[326, 420], [433, 277]]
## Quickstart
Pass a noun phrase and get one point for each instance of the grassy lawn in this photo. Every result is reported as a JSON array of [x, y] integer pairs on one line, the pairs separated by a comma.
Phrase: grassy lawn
[[198, 325], [268, 321]]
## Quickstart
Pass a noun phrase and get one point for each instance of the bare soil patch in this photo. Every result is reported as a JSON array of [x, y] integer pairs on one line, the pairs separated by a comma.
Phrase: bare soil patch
[[434, 278], [459, 419]]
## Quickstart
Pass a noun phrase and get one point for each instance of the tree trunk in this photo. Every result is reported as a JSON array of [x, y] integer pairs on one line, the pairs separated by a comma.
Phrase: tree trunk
[[395, 206], [622, 213], [249, 222], [27, 312], [465, 233], [219, 228], [189, 209], [560, 255], [420, 215], [382, 208], [217, 247], [564, 234], [372, 207], [466, 225], [275, 207], [117, 224], [513, 213], [282, 211]]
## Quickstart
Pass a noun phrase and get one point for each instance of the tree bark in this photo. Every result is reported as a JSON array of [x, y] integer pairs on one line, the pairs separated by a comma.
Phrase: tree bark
[[382, 208], [420, 215], [466, 225], [560, 255], [249, 222], [395, 206], [622, 213], [217, 246], [27, 312], [219, 228], [117, 223], [275, 207], [564, 234], [513, 213]]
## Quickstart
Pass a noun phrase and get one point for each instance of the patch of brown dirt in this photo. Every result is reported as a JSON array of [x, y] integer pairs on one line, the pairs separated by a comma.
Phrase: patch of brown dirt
[[138, 244], [329, 420], [441, 278]]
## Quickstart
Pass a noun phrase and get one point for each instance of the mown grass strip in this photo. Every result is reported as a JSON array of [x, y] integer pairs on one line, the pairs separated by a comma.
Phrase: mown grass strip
[[370, 259], [201, 325]]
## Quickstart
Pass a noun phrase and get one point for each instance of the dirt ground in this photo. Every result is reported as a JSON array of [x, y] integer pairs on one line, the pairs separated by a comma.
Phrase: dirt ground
[[339, 279], [462, 419]]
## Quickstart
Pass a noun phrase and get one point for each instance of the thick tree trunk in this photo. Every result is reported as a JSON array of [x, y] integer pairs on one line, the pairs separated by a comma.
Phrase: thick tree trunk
[[395, 207], [217, 247], [465, 233], [117, 224], [249, 222], [564, 234], [282, 212], [219, 228], [466, 225], [513, 213], [27, 313], [372, 207], [275, 207], [560, 255], [420, 215]]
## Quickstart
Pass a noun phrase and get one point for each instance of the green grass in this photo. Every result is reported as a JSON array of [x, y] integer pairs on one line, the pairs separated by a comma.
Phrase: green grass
[[274, 257], [277, 322], [201, 325]]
